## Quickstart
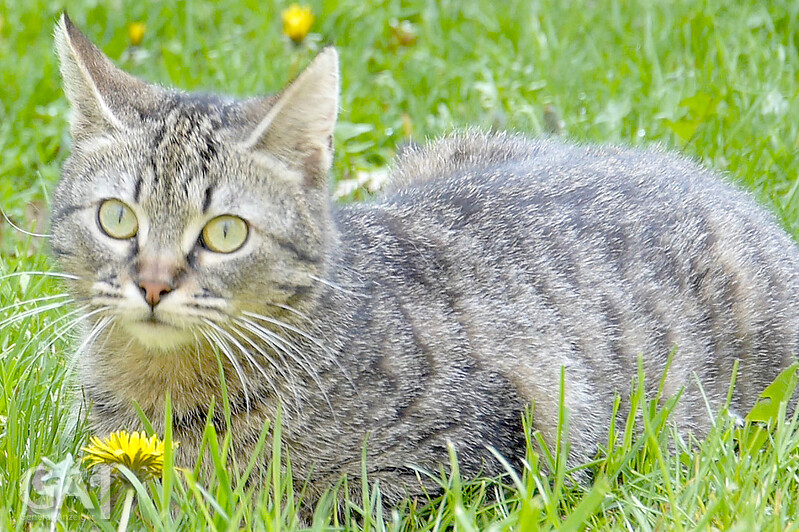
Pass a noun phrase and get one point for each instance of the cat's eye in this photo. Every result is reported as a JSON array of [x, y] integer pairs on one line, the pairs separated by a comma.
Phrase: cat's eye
[[117, 219], [225, 234]]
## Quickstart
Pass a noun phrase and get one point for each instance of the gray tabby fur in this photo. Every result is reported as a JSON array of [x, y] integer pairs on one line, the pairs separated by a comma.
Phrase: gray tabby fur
[[432, 315]]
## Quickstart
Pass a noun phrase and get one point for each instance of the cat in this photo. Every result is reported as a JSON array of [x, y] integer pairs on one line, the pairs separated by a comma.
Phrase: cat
[[199, 228]]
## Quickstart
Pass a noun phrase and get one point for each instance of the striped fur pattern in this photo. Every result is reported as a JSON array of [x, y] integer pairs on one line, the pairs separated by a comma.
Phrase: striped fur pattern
[[434, 314]]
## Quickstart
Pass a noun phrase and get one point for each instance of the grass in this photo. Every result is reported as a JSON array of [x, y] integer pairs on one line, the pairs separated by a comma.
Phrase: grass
[[714, 79]]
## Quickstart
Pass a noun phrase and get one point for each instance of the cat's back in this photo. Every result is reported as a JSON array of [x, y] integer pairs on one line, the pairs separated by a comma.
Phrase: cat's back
[[544, 192], [539, 254]]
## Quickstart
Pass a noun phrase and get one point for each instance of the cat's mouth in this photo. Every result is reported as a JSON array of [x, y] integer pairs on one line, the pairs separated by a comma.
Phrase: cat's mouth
[[156, 333], [158, 325], [152, 319]]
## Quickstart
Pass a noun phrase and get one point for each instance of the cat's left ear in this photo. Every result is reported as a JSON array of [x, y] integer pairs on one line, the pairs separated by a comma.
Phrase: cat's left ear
[[297, 125]]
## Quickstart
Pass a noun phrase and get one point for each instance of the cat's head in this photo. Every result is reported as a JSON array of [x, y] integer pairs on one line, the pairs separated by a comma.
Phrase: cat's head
[[175, 210]]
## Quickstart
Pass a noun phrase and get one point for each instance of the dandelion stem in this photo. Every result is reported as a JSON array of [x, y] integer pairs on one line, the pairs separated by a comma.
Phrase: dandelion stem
[[123, 521]]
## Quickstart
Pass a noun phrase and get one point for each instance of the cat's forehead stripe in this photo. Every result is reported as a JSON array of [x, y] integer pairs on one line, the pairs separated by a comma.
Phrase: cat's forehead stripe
[[207, 199], [137, 188], [184, 145]]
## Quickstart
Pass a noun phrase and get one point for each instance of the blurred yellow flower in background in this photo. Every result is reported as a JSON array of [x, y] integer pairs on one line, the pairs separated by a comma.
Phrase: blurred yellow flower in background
[[142, 455], [136, 32], [297, 21], [403, 32]]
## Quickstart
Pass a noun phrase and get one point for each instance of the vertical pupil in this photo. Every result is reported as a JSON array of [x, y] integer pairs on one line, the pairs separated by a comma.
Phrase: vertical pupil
[[121, 215], [224, 230]]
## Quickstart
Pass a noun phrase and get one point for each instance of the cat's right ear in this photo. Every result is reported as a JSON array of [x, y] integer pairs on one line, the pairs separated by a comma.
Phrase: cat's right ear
[[296, 126], [102, 96]]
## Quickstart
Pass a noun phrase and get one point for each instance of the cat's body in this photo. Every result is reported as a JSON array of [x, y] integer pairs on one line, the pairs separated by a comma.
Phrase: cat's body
[[433, 315]]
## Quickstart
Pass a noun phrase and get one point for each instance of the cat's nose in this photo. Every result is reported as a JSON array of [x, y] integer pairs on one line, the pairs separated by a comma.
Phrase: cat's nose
[[157, 274], [153, 291]]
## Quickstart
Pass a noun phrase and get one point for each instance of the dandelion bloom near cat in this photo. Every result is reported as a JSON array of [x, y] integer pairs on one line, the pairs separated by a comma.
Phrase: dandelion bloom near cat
[[297, 22], [136, 31], [143, 455]]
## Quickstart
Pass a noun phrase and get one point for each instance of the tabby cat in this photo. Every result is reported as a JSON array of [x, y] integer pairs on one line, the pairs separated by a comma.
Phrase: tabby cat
[[197, 227]]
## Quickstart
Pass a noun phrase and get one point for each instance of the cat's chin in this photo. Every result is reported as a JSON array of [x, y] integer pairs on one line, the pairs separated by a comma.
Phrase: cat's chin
[[158, 335]]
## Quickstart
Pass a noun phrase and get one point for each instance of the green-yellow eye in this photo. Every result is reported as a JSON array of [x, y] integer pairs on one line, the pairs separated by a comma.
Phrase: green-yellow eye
[[117, 219], [225, 234]]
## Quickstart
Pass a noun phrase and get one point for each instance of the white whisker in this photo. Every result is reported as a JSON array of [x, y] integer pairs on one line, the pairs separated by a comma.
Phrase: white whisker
[[216, 340], [283, 369], [250, 360], [74, 359], [47, 274], [284, 325], [32, 312], [71, 326], [21, 230], [334, 286], [54, 323], [35, 338], [35, 300], [279, 344], [89, 339], [293, 311], [308, 337]]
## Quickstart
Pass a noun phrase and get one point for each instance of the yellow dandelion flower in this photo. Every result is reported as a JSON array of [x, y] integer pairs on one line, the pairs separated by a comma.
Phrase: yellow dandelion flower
[[136, 32], [297, 21], [141, 454]]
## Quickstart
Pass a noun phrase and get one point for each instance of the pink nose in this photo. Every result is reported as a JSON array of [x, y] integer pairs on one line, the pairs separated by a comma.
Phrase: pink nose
[[153, 290]]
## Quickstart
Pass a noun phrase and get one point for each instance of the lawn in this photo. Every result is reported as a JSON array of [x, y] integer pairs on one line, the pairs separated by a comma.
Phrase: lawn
[[715, 79]]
